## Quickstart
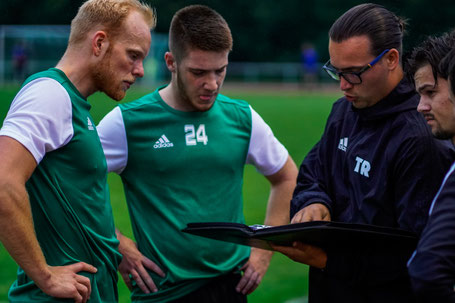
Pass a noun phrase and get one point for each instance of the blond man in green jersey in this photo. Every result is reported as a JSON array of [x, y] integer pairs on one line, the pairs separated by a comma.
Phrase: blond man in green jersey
[[55, 216]]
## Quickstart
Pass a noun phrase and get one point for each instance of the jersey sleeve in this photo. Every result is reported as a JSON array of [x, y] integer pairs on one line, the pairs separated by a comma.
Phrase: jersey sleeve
[[40, 117], [265, 152], [111, 131]]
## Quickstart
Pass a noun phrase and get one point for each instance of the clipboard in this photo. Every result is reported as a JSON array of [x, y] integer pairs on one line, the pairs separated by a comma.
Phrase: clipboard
[[328, 235]]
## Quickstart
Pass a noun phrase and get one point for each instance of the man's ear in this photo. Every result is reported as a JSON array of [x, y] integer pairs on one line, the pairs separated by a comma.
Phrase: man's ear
[[170, 62], [393, 59], [100, 43]]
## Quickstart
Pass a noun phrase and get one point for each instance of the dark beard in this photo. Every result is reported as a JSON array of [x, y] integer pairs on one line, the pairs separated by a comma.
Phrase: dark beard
[[182, 91], [444, 135]]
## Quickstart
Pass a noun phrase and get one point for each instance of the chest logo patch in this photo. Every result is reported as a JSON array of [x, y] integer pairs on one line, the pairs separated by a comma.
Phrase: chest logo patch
[[163, 142], [343, 144], [362, 167], [90, 124]]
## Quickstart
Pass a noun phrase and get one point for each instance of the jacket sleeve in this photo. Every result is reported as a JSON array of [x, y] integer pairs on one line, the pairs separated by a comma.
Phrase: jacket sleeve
[[432, 267], [311, 182]]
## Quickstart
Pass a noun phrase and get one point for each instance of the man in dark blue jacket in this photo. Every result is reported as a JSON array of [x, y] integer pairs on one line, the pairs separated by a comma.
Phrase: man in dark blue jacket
[[432, 266], [376, 163]]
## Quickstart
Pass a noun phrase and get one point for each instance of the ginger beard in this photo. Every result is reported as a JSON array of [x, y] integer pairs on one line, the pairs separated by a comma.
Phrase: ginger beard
[[106, 80]]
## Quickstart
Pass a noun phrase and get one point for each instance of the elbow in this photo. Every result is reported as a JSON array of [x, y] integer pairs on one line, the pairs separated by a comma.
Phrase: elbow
[[12, 196], [432, 280]]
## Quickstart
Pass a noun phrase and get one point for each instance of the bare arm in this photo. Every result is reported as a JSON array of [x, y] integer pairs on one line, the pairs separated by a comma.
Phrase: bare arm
[[17, 232], [282, 185]]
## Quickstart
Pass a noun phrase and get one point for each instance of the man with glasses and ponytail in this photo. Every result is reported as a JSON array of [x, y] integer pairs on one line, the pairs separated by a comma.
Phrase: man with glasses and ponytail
[[376, 163]]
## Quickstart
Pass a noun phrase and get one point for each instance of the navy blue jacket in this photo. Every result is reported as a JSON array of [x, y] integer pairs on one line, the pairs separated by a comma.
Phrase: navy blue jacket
[[378, 165], [432, 267]]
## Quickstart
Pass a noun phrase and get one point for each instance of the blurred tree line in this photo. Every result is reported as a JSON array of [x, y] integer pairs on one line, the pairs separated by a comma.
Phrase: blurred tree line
[[263, 30]]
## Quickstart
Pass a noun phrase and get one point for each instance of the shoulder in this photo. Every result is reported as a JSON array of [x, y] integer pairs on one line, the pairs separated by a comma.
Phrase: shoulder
[[226, 102], [341, 108], [242, 111], [235, 109], [42, 94], [149, 100], [411, 125], [230, 103], [413, 138]]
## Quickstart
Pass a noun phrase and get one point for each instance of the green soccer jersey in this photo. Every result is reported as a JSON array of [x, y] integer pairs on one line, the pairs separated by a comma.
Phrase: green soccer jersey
[[70, 205], [185, 167]]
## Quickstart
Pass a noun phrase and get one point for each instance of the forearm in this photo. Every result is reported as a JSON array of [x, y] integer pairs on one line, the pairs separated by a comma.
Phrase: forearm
[[17, 232], [278, 204], [282, 186], [311, 184], [124, 242]]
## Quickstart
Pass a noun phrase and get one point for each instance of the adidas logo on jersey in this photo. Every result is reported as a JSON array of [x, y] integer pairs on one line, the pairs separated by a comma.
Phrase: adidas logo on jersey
[[163, 142], [89, 124], [343, 144]]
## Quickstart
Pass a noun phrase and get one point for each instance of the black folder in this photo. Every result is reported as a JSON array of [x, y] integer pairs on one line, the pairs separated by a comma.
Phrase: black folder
[[327, 235]]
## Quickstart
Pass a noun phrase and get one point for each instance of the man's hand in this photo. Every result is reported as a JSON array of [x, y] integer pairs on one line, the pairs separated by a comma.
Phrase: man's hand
[[304, 253], [254, 270], [134, 263], [313, 212], [64, 282]]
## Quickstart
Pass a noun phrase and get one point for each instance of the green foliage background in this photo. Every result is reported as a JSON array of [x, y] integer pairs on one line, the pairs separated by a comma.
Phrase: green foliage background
[[263, 30], [297, 119]]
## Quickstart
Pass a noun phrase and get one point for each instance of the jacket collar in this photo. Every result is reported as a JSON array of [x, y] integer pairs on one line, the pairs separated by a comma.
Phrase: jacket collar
[[402, 98]]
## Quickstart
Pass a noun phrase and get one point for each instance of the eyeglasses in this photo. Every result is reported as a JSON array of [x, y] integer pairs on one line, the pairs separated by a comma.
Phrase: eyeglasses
[[351, 77]]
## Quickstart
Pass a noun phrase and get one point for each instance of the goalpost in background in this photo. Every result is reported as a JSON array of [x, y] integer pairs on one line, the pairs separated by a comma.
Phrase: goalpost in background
[[27, 49]]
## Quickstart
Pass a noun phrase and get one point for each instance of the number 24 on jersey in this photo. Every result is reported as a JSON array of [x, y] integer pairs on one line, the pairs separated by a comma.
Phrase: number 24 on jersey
[[193, 136]]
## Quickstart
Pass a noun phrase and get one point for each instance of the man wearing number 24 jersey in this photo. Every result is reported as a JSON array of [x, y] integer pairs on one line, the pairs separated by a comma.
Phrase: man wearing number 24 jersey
[[180, 152]]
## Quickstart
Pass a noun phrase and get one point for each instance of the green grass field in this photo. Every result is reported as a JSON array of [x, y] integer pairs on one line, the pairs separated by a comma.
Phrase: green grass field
[[297, 119]]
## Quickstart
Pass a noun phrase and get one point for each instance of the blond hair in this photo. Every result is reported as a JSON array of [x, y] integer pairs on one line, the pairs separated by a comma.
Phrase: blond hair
[[110, 14]]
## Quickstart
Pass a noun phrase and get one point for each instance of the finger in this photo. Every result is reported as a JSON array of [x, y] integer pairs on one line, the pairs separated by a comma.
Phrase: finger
[[296, 218], [78, 298], [326, 217], [82, 266], [275, 247], [139, 281], [147, 279], [300, 245], [307, 217], [83, 291], [300, 216], [152, 266], [127, 280], [243, 281], [255, 284], [85, 282], [250, 283], [245, 266], [285, 250]]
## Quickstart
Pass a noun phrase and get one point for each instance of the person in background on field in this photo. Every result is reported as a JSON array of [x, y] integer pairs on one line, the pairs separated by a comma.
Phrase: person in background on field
[[181, 152], [20, 58], [432, 266], [377, 162], [310, 64], [55, 214]]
